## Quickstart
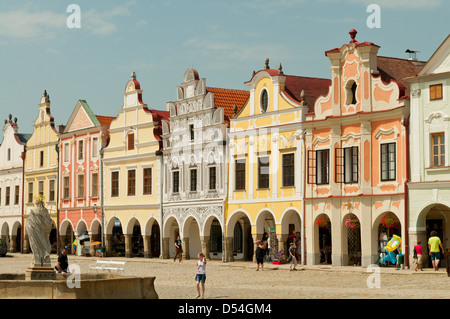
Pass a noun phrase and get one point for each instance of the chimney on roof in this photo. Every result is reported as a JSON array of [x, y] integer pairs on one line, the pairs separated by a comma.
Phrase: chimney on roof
[[412, 54], [234, 109]]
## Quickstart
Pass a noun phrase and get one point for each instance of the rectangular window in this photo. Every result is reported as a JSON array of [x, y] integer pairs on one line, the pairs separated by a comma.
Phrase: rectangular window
[[130, 141], [288, 169], [176, 181], [435, 92], [131, 182], [388, 162], [8, 196], [263, 172], [346, 165], [311, 167], [438, 149], [322, 166], [66, 152], [239, 167], [94, 191], [95, 147], [17, 195], [212, 178], [147, 181], [80, 186], [80, 150], [51, 190], [41, 159], [41, 188], [191, 131], [30, 192], [193, 180], [114, 184], [66, 185]]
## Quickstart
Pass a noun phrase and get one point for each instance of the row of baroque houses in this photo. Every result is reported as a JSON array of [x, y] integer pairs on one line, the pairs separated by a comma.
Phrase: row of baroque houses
[[336, 165]]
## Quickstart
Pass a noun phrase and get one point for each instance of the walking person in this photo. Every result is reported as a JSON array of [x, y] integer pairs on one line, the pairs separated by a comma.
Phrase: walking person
[[418, 252], [200, 275], [178, 249], [434, 242], [293, 263], [259, 254]]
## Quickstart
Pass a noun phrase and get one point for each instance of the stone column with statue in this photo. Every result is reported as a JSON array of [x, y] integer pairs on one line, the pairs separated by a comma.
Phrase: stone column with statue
[[38, 227]]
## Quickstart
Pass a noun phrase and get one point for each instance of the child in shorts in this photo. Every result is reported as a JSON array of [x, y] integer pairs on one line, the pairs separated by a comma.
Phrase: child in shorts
[[200, 275]]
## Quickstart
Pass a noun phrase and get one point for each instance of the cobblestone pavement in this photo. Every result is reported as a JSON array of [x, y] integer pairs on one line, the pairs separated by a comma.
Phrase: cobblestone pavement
[[240, 280]]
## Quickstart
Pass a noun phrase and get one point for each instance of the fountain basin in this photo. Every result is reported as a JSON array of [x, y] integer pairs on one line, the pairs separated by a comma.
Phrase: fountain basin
[[92, 286]]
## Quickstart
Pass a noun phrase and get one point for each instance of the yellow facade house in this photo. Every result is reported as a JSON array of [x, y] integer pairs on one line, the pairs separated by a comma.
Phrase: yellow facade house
[[266, 164], [131, 178], [41, 168]]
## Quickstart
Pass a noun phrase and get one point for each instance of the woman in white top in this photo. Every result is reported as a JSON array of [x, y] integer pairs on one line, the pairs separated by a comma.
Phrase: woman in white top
[[200, 275]]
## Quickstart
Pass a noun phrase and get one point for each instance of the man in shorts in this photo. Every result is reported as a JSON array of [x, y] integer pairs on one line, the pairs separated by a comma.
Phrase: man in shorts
[[433, 247]]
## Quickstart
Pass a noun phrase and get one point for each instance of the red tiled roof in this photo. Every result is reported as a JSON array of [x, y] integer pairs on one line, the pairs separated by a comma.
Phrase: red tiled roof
[[105, 120], [158, 117], [398, 69], [313, 87], [226, 98]]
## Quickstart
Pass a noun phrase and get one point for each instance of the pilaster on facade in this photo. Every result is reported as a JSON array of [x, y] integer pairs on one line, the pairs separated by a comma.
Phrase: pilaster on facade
[[195, 165], [429, 150], [131, 177], [12, 155], [357, 142], [41, 167]]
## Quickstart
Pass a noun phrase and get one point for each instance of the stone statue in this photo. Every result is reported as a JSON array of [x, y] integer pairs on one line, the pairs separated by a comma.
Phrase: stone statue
[[38, 226]]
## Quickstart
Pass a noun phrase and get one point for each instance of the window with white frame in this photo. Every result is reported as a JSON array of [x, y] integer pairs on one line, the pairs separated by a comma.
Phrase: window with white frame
[[95, 147], [388, 161], [438, 149], [318, 166]]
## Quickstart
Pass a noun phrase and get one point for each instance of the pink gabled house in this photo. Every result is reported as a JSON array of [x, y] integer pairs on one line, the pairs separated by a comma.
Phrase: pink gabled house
[[84, 136], [356, 166]]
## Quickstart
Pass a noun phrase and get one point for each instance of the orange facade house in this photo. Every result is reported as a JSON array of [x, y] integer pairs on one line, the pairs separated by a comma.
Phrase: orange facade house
[[356, 149], [80, 175]]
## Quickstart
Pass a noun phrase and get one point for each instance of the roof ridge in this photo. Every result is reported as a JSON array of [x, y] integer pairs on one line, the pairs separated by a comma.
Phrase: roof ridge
[[218, 88], [404, 59]]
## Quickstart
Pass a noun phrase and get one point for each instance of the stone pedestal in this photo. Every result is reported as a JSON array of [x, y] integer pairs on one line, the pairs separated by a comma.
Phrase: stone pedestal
[[40, 273]]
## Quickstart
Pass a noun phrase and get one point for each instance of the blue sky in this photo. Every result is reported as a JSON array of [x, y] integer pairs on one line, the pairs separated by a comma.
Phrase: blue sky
[[224, 40]]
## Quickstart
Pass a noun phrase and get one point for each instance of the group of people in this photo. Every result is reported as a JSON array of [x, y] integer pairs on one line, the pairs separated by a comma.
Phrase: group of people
[[434, 246], [261, 250]]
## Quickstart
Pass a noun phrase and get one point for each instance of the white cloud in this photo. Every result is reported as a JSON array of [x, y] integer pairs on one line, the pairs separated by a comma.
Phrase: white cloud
[[222, 53], [29, 22], [396, 4], [103, 22], [25, 24]]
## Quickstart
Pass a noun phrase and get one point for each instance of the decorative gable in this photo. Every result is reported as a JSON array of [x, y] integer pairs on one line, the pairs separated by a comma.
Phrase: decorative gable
[[439, 61], [82, 117]]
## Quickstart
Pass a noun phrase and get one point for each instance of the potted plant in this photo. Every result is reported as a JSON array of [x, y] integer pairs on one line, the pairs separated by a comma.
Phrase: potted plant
[[323, 222], [352, 222]]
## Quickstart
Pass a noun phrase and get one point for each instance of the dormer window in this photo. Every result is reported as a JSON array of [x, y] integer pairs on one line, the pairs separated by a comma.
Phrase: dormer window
[[264, 101], [351, 92], [130, 145]]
